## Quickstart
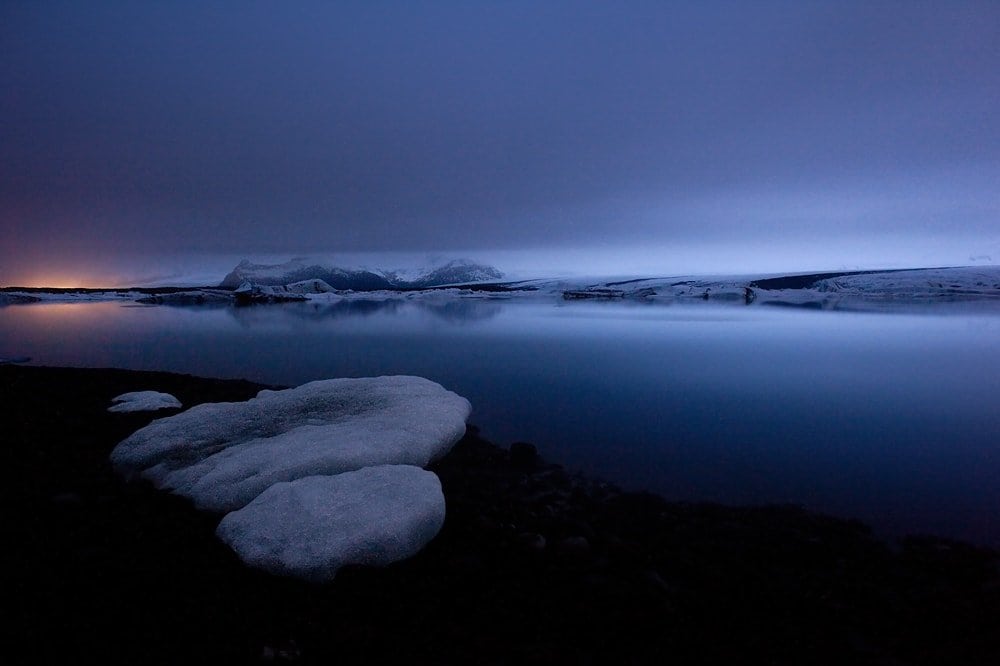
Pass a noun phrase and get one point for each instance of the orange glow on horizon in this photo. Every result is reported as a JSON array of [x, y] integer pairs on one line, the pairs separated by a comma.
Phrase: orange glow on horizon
[[63, 282], [69, 275]]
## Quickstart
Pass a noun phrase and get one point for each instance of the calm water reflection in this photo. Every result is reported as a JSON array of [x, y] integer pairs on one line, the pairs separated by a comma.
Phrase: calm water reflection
[[889, 418]]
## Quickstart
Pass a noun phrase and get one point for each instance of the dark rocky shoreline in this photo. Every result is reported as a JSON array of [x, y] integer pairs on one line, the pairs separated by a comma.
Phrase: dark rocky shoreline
[[533, 566]]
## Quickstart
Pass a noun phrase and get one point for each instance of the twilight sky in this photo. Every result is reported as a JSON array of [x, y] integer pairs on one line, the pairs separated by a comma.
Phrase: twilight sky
[[146, 142]]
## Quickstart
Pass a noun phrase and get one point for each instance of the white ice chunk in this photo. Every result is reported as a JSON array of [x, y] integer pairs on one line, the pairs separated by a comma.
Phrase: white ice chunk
[[309, 287], [222, 455], [311, 527], [143, 401]]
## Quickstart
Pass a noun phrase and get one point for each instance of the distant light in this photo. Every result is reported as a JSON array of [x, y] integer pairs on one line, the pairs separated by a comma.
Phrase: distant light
[[58, 282]]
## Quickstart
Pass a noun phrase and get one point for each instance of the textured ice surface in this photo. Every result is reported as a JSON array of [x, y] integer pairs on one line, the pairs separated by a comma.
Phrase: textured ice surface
[[311, 527], [316, 477], [962, 282], [143, 401], [885, 290], [222, 455]]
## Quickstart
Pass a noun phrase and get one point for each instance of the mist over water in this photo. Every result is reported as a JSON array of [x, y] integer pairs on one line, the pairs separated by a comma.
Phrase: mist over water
[[890, 418]]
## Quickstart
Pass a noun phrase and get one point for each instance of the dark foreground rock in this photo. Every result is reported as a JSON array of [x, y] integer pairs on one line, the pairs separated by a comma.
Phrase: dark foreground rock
[[533, 566]]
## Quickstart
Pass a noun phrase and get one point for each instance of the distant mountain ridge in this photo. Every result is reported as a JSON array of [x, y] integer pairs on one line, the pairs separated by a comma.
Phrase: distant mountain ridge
[[455, 271]]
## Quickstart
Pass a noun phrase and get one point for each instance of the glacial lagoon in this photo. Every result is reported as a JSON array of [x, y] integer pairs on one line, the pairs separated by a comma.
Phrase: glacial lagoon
[[891, 418]]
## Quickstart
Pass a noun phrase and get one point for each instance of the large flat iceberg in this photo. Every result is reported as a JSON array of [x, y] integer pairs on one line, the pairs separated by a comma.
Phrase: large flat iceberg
[[314, 477], [222, 455]]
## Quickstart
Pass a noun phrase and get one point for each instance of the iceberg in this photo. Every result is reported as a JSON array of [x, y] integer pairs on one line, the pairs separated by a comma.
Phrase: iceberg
[[301, 270], [143, 401], [313, 477], [222, 455], [311, 527]]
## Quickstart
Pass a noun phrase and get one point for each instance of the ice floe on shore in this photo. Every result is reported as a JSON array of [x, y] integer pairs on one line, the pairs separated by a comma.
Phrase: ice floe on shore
[[277, 448], [372, 516], [143, 401]]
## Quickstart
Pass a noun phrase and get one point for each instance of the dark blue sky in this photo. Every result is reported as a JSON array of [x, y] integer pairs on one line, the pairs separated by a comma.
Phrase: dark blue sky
[[151, 138]]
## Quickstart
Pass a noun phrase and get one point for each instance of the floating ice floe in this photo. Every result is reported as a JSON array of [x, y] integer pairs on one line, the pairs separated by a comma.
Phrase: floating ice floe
[[929, 283], [882, 290], [311, 527], [332, 454], [143, 401], [189, 297]]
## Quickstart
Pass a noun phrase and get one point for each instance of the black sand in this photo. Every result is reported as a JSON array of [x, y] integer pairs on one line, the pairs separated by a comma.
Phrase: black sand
[[533, 566]]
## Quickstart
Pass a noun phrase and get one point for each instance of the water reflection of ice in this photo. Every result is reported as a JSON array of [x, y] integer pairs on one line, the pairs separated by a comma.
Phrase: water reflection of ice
[[453, 311]]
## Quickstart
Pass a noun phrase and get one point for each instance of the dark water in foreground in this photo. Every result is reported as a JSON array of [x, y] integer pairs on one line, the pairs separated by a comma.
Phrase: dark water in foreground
[[890, 418]]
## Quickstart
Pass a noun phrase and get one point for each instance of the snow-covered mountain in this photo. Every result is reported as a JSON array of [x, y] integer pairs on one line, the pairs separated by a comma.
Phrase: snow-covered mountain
[[456, 271]]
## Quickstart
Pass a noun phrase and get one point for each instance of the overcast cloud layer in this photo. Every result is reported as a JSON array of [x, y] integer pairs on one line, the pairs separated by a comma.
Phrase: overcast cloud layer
[[142, 138]]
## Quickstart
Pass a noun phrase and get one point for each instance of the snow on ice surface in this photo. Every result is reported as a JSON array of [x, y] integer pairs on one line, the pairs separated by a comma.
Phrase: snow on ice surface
[[309, 287], [302, 287], [315, 477], [311, 527], [925, 283], [143, 401], [222, 455], [895, 290], [848, 290]]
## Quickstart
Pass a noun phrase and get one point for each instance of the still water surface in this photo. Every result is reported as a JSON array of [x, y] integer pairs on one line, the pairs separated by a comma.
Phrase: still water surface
[[890, 418]]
